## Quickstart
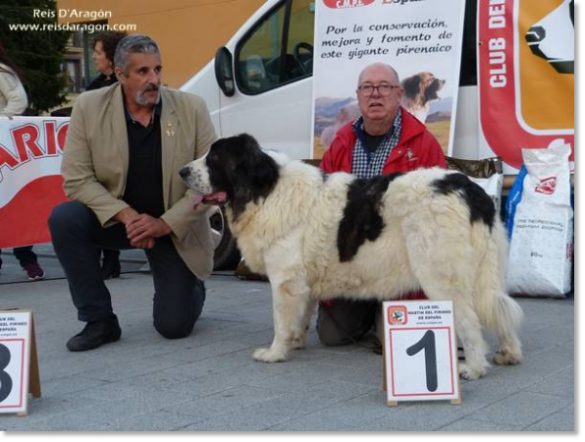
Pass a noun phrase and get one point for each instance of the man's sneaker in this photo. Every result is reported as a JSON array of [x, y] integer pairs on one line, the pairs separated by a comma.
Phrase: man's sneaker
[[94, 335], [34, 271]]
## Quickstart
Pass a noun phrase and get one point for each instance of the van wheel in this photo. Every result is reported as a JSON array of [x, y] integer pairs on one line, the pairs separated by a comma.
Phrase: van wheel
[[227, 255]]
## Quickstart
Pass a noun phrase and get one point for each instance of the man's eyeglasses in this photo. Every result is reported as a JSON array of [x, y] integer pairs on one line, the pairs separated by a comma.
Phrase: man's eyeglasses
[[383, 89]]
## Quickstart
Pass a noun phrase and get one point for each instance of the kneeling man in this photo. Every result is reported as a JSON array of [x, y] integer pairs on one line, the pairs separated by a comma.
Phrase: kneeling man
[[125, 146]]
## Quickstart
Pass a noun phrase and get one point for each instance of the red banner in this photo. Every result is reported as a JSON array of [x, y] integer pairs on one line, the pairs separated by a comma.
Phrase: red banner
[[30, 177], [526, 75]]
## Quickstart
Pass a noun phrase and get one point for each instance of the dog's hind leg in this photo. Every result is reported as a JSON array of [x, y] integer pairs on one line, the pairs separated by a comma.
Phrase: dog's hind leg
[[291, 304], [442, 263], [496, 309], [468, 331]]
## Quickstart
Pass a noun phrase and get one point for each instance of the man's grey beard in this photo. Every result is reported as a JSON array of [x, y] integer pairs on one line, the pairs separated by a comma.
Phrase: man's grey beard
[[143, 102]]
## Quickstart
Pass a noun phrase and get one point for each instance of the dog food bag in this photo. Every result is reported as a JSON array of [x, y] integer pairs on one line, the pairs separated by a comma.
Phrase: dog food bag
[[541, 246]]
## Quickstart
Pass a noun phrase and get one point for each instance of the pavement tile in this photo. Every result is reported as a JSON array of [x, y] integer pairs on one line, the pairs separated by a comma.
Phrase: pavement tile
[[559, 421], [229, 401], [159, 420], [47, 409], [64, 386], [265, 414], [133, 368], [561, 383], [421, 416], [346, 415], [523, 408], [466, 424], [107, 412]]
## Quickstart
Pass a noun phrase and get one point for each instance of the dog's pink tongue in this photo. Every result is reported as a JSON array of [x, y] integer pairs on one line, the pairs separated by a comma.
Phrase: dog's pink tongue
[[221, 196], [216, 198], [197, 201]]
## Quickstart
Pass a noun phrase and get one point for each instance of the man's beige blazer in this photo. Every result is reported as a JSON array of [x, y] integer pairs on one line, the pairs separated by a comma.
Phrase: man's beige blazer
[[95, 164]]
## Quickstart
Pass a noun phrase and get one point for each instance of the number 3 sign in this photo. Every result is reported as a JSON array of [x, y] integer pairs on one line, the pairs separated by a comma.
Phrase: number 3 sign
[[420, 352], [18, 361]]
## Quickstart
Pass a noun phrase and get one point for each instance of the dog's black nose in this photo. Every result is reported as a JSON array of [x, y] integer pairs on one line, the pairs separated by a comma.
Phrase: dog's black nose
[[184, 172]]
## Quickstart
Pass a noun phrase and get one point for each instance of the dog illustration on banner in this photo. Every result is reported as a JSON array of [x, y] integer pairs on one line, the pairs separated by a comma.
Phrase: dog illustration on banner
[[346, 114], [420, 90], [553, 38], [320, 236]]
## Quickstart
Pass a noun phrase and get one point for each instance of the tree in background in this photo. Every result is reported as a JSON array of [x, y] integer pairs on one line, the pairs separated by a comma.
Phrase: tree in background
[[39, 54]]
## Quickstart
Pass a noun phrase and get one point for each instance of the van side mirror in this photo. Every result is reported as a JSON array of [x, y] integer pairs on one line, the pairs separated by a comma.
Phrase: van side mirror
[[224, 71]]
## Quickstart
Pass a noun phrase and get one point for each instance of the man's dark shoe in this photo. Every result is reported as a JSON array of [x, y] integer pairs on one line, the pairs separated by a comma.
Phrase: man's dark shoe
[[94, 335]]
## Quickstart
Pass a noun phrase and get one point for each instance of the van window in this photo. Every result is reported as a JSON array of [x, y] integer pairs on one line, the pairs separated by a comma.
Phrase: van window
[[278, 50]]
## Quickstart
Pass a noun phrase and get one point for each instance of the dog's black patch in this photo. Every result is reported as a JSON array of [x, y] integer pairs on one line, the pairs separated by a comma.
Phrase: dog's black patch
[[361, 217], [239, 167], [481, 206]]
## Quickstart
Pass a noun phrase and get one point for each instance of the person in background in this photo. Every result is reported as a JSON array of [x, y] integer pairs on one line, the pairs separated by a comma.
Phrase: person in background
[[13, 102], [104, 48], [385, 139]]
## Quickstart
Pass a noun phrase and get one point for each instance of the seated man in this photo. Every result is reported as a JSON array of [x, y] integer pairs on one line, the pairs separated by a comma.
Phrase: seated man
[[384, 140], [125, 146]]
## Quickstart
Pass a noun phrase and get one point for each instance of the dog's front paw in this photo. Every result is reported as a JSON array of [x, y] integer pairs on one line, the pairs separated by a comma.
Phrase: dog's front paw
[[299, 343], [505, 357], [469, 373], [269, 355]]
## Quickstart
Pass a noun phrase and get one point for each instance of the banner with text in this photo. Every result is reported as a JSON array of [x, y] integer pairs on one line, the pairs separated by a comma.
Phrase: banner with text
[[31, 185], [420, 39], [526, 76]]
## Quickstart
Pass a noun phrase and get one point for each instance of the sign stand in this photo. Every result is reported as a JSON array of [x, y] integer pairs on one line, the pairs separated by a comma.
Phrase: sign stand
[[420, 359], [19, 366]]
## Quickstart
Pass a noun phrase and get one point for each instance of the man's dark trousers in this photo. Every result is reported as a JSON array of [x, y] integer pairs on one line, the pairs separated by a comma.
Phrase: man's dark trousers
[[77, 237]]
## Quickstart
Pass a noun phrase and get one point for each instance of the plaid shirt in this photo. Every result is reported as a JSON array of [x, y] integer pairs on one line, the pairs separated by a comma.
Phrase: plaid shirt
[[366, 164]]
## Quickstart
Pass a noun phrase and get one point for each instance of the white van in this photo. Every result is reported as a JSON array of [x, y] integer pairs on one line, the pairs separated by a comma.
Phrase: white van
[[260, 82]]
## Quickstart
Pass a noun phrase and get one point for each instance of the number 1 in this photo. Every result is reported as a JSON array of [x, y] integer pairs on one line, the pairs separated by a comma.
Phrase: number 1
[[427, 343]]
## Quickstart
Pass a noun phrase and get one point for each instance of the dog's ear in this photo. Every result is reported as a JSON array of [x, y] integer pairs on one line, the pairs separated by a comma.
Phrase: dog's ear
[[255, 174], [412, 85], [259, 167]]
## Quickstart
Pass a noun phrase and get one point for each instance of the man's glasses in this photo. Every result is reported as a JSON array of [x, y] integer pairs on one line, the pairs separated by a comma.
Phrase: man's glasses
[[383, 89]]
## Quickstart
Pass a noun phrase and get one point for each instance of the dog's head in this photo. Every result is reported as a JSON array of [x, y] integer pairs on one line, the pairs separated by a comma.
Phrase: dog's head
[[235, 169], [422, 88]]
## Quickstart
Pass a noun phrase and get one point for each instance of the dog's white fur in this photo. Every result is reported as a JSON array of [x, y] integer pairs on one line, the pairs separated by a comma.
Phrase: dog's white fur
[[428, 243]]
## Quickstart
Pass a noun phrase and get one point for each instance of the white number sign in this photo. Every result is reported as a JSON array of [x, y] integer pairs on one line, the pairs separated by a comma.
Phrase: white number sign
[[17, 359], [420, 351]]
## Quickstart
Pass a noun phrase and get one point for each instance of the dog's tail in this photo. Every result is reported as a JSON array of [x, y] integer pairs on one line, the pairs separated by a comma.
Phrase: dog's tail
[[496, 309]]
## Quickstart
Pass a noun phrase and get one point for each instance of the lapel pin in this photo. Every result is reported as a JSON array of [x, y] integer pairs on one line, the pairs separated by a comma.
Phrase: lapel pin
[[170, 131]]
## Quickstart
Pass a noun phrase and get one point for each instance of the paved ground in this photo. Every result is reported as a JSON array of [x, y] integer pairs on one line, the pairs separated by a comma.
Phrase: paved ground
[[209, 382]]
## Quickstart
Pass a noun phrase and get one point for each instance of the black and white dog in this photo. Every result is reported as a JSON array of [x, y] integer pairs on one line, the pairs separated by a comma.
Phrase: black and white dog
[[319, 237]]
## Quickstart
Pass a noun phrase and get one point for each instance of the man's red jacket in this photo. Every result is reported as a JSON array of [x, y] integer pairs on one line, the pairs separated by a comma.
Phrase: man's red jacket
[[417, 148]]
